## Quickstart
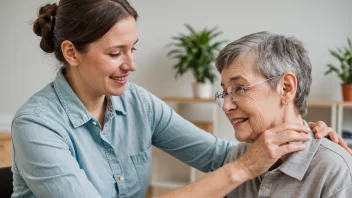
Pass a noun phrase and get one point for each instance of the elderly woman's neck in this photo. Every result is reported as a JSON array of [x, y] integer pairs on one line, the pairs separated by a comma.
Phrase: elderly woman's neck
[[291, 115]]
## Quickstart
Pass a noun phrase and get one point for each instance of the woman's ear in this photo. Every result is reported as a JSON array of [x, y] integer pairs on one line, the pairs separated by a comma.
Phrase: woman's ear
[[70, 53], [288, 87]]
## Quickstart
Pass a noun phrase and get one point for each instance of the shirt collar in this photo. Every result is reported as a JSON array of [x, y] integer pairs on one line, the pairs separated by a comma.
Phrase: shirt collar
[[73, 106], [297, 164], [118, 103]]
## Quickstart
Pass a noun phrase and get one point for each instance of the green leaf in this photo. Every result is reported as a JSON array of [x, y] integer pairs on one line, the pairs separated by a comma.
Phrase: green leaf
[[194, 33], [175, 52], [336, 55], [349, 43]]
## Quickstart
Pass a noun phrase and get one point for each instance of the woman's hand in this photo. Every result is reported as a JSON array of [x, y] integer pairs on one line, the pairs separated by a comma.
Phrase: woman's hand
[[270, 146], [321, 130]]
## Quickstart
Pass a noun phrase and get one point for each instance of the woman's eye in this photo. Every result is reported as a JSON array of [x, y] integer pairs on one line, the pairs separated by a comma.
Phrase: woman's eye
[[115, 55], [239, 88], [133, 49]]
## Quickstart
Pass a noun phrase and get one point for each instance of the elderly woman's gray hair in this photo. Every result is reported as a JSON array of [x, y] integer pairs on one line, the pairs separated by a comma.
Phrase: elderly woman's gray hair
[[274, 55]]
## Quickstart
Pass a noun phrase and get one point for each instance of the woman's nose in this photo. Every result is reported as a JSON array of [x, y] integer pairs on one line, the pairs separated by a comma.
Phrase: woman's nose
[[129, 63], [228, 105]]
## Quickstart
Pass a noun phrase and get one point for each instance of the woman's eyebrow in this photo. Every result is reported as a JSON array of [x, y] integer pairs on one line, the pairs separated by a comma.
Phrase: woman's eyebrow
[[236, 78], [121, 46]]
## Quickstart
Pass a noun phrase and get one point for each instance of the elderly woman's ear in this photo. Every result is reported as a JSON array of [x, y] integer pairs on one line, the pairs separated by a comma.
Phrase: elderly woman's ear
[[287, 88]]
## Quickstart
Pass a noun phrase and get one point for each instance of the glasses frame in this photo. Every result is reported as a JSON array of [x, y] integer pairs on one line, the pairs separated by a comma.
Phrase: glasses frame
[[223, 95]]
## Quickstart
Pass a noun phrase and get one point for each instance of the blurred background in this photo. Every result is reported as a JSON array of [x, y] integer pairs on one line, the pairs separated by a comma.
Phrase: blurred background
[[320, 24]]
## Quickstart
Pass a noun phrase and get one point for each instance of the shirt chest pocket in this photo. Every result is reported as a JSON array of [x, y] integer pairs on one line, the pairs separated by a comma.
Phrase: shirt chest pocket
[[142, 162]]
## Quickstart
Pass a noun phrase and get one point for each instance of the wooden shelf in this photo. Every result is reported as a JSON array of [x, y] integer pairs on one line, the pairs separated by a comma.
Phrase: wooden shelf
[[5, 136], [346, 104], [188, 100], [205, 125], [328, 103], [322, 103], [5, 150]]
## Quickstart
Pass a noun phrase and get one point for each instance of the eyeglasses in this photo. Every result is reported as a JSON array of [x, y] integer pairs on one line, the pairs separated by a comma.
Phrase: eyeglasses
[[238, 92]]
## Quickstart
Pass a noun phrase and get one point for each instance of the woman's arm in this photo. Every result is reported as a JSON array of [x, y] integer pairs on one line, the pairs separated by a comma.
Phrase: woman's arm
[[183, 140], [269, 147]]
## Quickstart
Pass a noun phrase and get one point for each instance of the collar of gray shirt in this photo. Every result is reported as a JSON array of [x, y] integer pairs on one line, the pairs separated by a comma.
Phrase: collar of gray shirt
[[297, 164]]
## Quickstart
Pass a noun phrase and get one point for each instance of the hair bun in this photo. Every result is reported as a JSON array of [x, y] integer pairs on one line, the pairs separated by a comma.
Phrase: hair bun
[[44, 26]]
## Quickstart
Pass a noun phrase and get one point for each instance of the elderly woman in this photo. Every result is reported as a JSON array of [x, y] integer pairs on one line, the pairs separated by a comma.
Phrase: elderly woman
[[267, 79]]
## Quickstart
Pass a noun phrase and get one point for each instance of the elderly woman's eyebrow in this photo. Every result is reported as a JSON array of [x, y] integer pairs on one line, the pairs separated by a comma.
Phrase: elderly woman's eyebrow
[[237, 78], [234, 78]]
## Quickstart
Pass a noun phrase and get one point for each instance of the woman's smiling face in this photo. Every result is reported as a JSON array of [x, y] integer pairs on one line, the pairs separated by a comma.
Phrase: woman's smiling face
[[255, 111], [104, 67]]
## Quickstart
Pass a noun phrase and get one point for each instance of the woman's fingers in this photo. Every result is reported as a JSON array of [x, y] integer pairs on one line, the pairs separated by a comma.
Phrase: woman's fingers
[[290, 148], [331, 134], [289, 136], [321, 130], [292, 127], [342, 143], [285, 133]]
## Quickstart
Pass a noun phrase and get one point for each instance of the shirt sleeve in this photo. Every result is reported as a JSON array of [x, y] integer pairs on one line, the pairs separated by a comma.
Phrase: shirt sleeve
[[43, 159], [181, 139], [345, 192]]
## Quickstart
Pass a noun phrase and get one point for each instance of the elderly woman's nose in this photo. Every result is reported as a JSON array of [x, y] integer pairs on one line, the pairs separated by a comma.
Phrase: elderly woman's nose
[[228, 105]]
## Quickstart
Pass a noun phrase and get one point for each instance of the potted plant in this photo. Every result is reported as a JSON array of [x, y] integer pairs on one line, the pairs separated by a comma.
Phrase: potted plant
[[196, 52], [345, 71]]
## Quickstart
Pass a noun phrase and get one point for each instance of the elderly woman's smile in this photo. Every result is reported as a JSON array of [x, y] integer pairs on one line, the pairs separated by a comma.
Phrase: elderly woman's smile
[[237, 121]]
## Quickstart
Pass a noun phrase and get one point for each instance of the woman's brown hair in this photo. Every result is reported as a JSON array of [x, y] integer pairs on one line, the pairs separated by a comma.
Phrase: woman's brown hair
[[79, 21]]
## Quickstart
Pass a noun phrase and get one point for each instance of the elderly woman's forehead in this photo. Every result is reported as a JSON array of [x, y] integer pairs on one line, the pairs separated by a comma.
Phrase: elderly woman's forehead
[[239, 66]]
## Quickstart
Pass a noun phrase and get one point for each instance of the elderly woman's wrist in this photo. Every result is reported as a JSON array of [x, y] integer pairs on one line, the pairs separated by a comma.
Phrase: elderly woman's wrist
[[238, 172]]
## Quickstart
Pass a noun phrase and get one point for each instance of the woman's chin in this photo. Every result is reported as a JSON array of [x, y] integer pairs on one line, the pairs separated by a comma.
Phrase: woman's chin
[[240, 138], [117, 92]]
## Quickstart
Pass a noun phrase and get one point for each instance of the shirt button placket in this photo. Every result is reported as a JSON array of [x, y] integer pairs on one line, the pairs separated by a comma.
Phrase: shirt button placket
[[264, 191], [117, 171]]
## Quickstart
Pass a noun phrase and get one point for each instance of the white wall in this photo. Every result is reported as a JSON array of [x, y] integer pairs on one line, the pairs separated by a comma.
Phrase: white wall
[[320, 24]]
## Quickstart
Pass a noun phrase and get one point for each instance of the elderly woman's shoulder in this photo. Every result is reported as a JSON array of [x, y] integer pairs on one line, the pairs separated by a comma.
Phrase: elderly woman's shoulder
[[237, 152], [333, 156]]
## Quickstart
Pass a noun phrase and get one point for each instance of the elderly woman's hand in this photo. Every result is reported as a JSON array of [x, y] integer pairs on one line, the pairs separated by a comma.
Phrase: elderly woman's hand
[[321, 130], [270, 146]]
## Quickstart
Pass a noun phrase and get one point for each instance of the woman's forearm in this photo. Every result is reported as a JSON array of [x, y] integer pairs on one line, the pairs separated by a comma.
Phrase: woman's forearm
[[216, 184], [269, 147]]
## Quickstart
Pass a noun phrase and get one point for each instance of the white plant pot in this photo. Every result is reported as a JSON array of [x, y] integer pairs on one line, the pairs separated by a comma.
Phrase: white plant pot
[[201, 90]]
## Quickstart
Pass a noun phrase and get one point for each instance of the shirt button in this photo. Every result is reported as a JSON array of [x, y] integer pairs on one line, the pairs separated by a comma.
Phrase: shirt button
[[94, 122], [121, 178], [263, 188]]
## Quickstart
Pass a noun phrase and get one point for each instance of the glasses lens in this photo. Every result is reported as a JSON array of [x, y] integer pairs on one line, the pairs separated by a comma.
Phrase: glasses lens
[[219, 96], [237, 94]]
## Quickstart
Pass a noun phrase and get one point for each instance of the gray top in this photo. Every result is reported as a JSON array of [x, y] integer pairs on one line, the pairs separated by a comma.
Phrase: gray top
[[323, 169]]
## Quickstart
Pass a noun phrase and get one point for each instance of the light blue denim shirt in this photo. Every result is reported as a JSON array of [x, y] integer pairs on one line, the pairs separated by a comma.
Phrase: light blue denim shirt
[[59, 149]]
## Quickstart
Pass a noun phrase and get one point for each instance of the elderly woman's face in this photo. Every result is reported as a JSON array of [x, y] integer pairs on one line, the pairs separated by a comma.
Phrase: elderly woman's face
[[258, 109]]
